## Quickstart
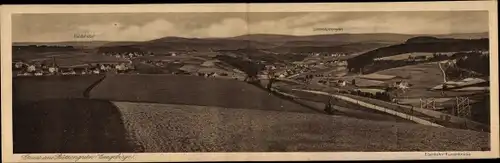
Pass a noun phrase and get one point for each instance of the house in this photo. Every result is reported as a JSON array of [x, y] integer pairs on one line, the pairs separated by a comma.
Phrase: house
[[214, 74], [120, 67], [19, 65], [53, 70], [403, 85], [341, 83], [31, 68]]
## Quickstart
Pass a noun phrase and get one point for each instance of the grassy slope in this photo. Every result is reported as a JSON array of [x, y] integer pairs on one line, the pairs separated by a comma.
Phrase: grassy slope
[[70, 126], [34, 88], [190, 90], [173, 128]]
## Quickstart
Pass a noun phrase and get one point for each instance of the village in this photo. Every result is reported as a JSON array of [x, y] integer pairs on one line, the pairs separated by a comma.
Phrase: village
[[41, 68]]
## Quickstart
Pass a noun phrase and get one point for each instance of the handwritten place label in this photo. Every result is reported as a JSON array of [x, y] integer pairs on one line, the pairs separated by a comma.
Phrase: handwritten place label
[[328, 29], [84, 35], [77, 158]]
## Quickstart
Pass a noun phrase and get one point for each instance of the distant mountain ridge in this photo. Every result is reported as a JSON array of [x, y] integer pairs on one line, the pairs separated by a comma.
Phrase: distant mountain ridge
[[344, 37], [286, 38], [329, 43]]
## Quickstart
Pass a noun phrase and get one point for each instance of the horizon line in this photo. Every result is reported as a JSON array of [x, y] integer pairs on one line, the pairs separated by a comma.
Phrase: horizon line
[[252, 34]]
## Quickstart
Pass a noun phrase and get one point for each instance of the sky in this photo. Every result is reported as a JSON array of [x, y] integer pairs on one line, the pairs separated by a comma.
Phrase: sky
[[148, 26]]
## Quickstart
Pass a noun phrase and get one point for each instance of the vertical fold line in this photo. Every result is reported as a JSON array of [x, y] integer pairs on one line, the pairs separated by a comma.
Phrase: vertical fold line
[[247, 13]]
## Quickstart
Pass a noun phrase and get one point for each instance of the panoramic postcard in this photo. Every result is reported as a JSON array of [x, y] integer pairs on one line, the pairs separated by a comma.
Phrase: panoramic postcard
[[176, 82]]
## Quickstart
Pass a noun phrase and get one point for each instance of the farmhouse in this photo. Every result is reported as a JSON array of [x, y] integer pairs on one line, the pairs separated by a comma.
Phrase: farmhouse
[[19, 65], [401, 85], [341, 83]]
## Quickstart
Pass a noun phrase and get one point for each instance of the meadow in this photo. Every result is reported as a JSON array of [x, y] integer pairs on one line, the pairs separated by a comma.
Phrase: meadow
[[35, 88], [180, 128], [192, 90]]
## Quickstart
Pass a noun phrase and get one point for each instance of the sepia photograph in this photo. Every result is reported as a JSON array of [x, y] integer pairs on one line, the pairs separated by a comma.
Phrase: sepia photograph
[[305, 81]]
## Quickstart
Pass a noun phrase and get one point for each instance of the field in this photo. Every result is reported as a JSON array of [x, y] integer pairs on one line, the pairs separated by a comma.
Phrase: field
[[34, 88], [440, 102], [192, 90], [69, 58], [172, 58], [405, 56], [78, 126], [369, 83], [376, 76], [473, 89], [35, 55], [144, 68], [422, 78], [465, 83], [370, 90], [70, 126], [171, 128], [96, 58]]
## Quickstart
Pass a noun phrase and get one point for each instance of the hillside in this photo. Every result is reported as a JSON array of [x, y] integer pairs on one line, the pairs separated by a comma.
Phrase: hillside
[[420, 44], [191, 90], [79, 126], [209, 129], [321, 47], [350, 38], [195, 44], [36, 88]]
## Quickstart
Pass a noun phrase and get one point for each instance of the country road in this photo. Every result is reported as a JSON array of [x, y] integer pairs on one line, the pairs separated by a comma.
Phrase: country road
[[382, 109]]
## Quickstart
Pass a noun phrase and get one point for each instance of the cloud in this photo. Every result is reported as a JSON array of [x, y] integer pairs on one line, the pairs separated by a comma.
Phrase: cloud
[[115, 31], [162, 28], [375, 23]]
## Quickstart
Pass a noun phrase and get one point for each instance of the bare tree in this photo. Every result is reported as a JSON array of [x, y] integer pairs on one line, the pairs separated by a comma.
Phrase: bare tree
[[443, 72]]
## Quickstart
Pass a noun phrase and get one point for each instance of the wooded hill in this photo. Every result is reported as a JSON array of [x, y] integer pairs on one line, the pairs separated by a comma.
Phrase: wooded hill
[[419, 44]]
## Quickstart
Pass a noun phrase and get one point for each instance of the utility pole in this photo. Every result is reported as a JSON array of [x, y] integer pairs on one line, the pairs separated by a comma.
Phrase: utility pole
[[463, 108]]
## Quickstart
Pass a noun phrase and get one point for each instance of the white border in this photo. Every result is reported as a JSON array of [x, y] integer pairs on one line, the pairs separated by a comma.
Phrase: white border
[[6, 88]]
